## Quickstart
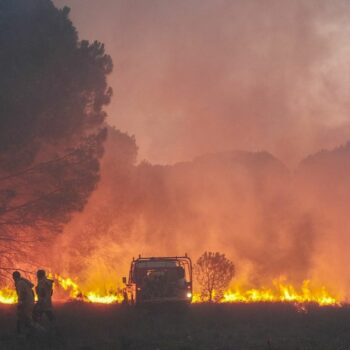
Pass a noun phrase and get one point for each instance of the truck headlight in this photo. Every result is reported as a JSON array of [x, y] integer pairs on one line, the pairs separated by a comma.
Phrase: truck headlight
[[189, 295]]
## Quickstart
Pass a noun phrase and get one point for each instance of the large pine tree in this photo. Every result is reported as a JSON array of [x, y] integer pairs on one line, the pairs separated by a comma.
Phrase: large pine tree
[[52, 92]]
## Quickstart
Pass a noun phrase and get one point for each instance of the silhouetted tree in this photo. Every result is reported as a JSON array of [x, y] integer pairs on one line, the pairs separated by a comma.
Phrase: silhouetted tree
[[52, 92], [214, 273]]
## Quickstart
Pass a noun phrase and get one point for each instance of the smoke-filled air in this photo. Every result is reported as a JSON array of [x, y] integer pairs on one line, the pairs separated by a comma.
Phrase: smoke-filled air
[[228, 130]]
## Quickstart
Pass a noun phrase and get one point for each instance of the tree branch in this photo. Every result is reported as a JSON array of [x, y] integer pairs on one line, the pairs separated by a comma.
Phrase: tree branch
[[38, 166]]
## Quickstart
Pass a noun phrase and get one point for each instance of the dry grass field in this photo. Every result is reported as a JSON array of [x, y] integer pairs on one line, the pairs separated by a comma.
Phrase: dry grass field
[[201, 326]]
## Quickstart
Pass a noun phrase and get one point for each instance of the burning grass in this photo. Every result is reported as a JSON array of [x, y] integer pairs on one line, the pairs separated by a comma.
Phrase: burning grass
[[68, 289], [8, 296], [280, 292], [98, 296], [283, 292]]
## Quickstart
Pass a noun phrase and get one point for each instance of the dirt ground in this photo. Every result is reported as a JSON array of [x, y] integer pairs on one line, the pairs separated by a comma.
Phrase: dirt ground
[[216, 327]]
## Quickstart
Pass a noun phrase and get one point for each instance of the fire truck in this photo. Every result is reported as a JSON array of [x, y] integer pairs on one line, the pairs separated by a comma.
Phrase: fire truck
[[159, 280]]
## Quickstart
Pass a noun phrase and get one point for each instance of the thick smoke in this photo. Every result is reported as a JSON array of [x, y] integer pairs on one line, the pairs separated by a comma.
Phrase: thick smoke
[[200, 76], [323, 182], [270, 221], [194, 80]]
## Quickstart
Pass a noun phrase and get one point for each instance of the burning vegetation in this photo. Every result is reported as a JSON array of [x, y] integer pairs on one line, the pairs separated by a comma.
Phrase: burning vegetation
[[169, 279], [68, 290], [74, 198]]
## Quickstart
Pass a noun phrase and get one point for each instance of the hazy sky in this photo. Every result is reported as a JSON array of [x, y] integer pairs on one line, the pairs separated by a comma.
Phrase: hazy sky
[[198, 76], [202, 76]]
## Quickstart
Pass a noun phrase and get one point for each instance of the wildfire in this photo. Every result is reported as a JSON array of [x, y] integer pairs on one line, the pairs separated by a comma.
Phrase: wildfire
[[74, 291], [8, 296], [104, 299], [68, 285], [280, 292], [78, 293]]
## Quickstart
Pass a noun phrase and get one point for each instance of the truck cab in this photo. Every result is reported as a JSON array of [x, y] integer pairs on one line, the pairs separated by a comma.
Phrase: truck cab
[[159, 279]]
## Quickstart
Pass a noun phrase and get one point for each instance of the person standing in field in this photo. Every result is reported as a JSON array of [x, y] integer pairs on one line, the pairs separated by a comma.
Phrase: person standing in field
[[44, 291], [25, 306]]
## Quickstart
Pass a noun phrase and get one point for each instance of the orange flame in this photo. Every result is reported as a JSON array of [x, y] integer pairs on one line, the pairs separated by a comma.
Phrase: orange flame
[[280, 292], [92, 296], [8, 296], [104, 299]]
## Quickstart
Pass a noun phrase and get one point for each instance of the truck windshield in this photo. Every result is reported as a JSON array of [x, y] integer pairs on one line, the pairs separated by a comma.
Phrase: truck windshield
[[165, 270]]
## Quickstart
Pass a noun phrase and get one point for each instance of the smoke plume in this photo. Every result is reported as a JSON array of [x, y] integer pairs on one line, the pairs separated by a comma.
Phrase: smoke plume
[[196, 81], [270, 221], [200, 76]]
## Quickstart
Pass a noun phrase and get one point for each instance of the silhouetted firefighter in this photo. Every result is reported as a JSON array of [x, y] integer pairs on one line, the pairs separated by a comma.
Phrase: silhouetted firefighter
[[25, 294], [44, 293]]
